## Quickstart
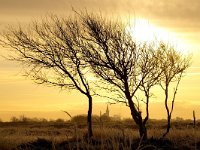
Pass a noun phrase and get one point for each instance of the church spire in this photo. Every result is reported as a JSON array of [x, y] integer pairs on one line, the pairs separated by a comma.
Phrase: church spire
[[107, 111]]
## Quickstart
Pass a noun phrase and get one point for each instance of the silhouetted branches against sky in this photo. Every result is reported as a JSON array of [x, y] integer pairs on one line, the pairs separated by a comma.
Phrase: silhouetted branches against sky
[[129, 67], [118, 60], [51, 50], [69, 52], [106, 41], [174, 65]]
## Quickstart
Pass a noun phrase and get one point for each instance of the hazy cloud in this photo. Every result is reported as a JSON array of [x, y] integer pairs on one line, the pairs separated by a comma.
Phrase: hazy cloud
[[171, 10], [182, 15]]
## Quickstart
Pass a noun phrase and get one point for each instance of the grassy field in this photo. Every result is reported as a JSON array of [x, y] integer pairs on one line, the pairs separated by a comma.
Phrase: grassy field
[[116, 135]]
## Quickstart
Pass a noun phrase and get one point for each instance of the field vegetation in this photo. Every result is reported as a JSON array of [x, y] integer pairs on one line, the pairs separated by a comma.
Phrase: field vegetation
[[34, 133]]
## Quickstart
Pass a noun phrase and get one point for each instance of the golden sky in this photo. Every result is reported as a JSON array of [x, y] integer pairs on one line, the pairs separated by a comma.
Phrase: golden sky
[[175, 19]]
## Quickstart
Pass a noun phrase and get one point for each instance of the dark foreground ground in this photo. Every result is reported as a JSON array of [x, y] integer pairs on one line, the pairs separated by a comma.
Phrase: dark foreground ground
[[113, 135]]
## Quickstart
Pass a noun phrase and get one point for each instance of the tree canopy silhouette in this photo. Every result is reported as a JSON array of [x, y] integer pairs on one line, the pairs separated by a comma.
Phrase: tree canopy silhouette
[[174, 65], [51, 53], [128, 67], [67, 52]]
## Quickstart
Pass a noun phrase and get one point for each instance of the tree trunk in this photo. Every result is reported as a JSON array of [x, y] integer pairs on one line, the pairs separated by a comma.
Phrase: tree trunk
[[168, 113], [138, 120], [143, 132], [168, 126], [136, 115], [89, 117]]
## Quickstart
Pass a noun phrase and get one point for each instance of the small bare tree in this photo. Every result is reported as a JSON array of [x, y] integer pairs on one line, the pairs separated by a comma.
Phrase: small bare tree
[[173, 66], [51, 53], [150, 72]]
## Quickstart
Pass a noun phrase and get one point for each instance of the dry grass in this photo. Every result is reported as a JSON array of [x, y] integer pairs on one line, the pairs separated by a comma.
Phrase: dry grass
[[66, 135]]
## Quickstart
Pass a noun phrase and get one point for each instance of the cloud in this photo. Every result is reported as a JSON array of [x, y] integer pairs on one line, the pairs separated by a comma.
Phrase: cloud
[[160, 8], [168, 13]]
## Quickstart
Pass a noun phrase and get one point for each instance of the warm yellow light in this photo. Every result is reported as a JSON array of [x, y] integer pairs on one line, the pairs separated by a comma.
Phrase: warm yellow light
[[144, 31]]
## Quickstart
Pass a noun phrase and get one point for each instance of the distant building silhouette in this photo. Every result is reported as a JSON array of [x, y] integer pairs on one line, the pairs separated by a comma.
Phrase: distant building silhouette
[[106, 116], [107, 113]]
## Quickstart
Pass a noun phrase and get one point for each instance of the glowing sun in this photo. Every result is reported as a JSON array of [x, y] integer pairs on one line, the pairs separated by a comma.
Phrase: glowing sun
[[143, 31]]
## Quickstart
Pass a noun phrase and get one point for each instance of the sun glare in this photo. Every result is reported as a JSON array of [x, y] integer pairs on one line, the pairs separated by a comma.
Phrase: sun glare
[[143, 31]]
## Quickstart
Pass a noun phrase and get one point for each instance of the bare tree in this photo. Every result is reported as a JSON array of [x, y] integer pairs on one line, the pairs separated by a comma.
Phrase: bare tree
[[174, 65], [124, 66], [150, 72], [65, 52], [128, 67], [50, 51]]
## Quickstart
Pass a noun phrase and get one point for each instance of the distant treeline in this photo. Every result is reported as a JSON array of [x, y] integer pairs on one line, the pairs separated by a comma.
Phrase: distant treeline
[[80, 121], [77, 119], [83, 119]]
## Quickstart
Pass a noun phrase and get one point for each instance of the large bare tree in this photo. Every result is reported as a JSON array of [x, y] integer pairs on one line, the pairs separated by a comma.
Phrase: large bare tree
[[50, 51], [127, 67]]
